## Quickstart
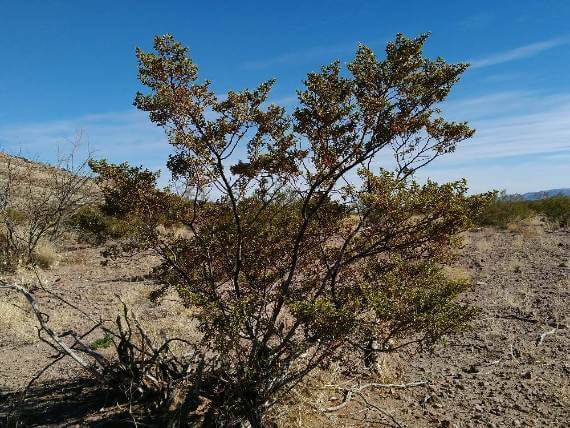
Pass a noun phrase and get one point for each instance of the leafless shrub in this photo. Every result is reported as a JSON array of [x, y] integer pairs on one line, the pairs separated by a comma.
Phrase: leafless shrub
[[139, 368], [35, 202]]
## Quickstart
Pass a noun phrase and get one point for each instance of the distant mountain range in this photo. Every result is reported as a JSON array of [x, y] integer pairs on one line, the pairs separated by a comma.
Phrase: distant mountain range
[[531, 196]]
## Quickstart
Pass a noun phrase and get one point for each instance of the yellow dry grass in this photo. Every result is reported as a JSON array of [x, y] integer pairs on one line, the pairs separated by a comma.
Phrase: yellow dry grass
[[528, 227], [17, 320], [45, 255], [304, 406]]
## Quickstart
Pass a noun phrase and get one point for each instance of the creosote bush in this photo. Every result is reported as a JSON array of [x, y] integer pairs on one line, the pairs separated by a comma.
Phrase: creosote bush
[[300, 249], [505, 210], [556, 209], [94, 226]]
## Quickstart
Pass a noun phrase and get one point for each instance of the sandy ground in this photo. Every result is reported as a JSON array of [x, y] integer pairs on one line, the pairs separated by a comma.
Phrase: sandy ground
[[511, 369]]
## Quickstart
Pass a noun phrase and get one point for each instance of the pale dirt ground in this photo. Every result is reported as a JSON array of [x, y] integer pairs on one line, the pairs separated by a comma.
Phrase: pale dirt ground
[[497, 374]]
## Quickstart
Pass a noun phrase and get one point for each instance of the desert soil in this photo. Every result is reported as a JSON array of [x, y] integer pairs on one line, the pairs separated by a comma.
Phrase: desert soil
[[512, 368]]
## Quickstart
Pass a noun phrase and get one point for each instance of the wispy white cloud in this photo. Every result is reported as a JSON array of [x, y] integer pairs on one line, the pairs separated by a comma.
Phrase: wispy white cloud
[[513, 124], [285, 101], [119, 136], [331, 52], [522, 141], [502, 104], [515, 177], [519, 53]]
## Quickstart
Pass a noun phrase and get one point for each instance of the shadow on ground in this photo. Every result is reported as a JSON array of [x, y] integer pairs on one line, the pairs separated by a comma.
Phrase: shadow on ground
[[73, 403]]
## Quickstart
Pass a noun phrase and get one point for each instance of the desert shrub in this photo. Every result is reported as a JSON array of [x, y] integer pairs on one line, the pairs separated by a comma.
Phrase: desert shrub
[[500, 213], [299, 253], [35, 203], [94, 226], [555, 209], [506, 210]]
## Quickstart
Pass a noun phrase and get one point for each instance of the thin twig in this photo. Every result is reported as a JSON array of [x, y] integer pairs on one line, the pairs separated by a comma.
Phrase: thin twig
[[358, 390], [380, 410], [543, 336]]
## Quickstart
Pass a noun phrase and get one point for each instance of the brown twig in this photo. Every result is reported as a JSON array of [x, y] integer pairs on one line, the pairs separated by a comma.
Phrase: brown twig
[[358, 390]]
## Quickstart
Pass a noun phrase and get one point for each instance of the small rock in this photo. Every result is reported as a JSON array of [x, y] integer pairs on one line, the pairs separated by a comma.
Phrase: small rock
[[471, 369], [527, 375]]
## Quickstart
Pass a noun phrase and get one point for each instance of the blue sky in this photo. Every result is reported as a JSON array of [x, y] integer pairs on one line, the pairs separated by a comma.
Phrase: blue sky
[[68, 68]]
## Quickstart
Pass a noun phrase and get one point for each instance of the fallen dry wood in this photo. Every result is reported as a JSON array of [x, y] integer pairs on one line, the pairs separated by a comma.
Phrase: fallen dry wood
[[358, 390], [55, 340], [350, 392]]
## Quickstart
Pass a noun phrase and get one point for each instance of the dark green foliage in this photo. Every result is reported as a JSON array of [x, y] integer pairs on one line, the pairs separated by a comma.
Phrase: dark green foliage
[[102, 343], [505, 210], [94, 226], [132, 189], [555, 209], [124, 185]]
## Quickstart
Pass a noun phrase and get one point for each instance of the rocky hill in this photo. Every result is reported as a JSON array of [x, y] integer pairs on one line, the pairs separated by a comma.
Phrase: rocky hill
[[531, 196]]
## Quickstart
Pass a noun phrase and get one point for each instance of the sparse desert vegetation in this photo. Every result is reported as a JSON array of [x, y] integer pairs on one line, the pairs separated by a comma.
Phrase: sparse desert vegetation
[[494, 373], [35, 203], [511, 211], [300, 285]]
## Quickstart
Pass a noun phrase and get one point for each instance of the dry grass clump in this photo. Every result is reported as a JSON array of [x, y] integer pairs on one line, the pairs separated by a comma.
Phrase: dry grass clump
[[64, 318], [528, 227], [558, 305], [17, 320], [45, 255], [306, 405], [564, 394], [36, 202], [78, 257], [483, 244], [164, 318], [520, 300], [303, 406]]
